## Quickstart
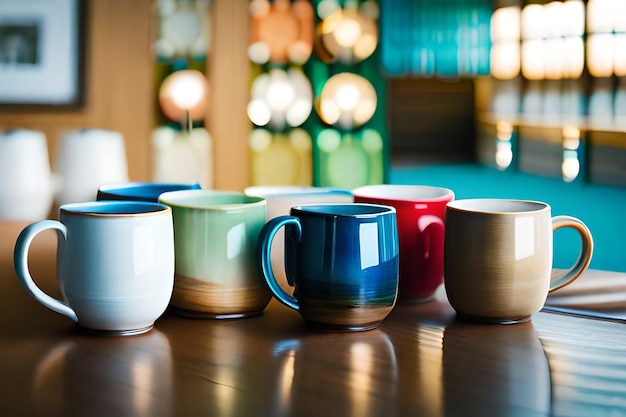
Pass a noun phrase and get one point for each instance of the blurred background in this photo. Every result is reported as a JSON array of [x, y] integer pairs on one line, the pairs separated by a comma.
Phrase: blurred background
[[507, 98]]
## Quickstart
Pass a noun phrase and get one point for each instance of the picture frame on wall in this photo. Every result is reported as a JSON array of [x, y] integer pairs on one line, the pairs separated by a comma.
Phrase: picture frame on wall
[[41, 53]]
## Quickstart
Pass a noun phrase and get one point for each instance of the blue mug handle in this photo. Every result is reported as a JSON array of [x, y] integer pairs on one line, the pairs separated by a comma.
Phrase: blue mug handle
[[266, 237]]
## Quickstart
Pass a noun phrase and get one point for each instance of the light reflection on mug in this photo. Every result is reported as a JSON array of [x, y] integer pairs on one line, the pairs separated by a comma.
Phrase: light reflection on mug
[[136, 372]]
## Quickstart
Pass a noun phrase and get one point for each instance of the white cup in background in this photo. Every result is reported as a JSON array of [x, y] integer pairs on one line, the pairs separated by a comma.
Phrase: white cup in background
[[26, 183], [280, 199], [87, 159]]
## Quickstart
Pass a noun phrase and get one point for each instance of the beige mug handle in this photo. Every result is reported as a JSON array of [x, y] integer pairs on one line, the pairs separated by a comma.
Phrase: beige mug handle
[[560, 279]]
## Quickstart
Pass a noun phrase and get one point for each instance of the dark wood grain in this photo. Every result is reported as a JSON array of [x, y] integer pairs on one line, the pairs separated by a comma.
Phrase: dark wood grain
[[421, 361]]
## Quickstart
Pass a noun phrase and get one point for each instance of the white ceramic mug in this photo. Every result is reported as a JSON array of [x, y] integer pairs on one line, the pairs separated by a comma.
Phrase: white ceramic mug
[[498, 257], [280, 199], [26, 182], [87, 159], [115, 264]]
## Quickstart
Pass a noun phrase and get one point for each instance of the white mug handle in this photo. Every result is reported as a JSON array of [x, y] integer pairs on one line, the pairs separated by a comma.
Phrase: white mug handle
[[20, 262], [561, 279]]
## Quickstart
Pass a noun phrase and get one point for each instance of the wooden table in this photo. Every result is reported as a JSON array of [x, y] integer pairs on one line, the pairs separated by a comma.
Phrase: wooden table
[[422, 361]]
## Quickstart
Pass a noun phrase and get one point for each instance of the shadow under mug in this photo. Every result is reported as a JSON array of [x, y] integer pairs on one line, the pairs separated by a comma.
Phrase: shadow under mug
[[115, 264], [341, 259]]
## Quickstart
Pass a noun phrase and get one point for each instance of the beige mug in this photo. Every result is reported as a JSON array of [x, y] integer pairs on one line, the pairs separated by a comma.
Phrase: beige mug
[[498, 257]]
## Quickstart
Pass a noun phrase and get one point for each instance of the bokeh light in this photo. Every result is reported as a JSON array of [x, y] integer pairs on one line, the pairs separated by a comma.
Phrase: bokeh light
[[184, 91], [280, 98], [347, 100]]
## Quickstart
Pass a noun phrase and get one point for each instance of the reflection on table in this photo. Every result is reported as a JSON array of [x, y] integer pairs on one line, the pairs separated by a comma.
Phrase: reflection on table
[[421, 361]]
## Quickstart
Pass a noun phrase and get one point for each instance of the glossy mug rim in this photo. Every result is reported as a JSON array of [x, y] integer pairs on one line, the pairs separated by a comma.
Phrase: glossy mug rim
[[404, 193], [209, 200], [151, 190], [23, 134], [270, 191], [344, 210], [114, 208], [497, 206]]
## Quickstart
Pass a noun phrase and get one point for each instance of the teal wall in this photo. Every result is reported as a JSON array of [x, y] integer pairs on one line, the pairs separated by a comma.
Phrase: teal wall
[[602, 208]]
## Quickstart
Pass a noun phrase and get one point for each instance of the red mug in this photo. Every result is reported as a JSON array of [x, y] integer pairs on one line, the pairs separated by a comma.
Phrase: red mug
[[420, 211]]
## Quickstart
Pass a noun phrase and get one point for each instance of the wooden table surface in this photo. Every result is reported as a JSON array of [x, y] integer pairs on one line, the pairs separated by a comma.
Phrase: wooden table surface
[[421, 361]]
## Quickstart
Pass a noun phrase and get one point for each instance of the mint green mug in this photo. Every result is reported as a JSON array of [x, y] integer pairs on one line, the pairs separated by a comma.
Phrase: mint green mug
[[215, 240]]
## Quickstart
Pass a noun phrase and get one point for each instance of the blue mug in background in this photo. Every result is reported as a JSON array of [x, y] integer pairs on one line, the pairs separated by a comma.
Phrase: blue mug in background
[[142, 191], [341, 259]]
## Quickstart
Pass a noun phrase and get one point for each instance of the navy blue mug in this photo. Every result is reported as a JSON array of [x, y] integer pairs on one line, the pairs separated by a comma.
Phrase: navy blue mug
[[341, 259]]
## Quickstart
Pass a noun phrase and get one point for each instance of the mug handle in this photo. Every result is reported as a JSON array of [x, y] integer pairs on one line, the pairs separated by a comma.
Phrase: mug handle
[[564, 278], [266, 237], [20, 262], [430, 228]]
